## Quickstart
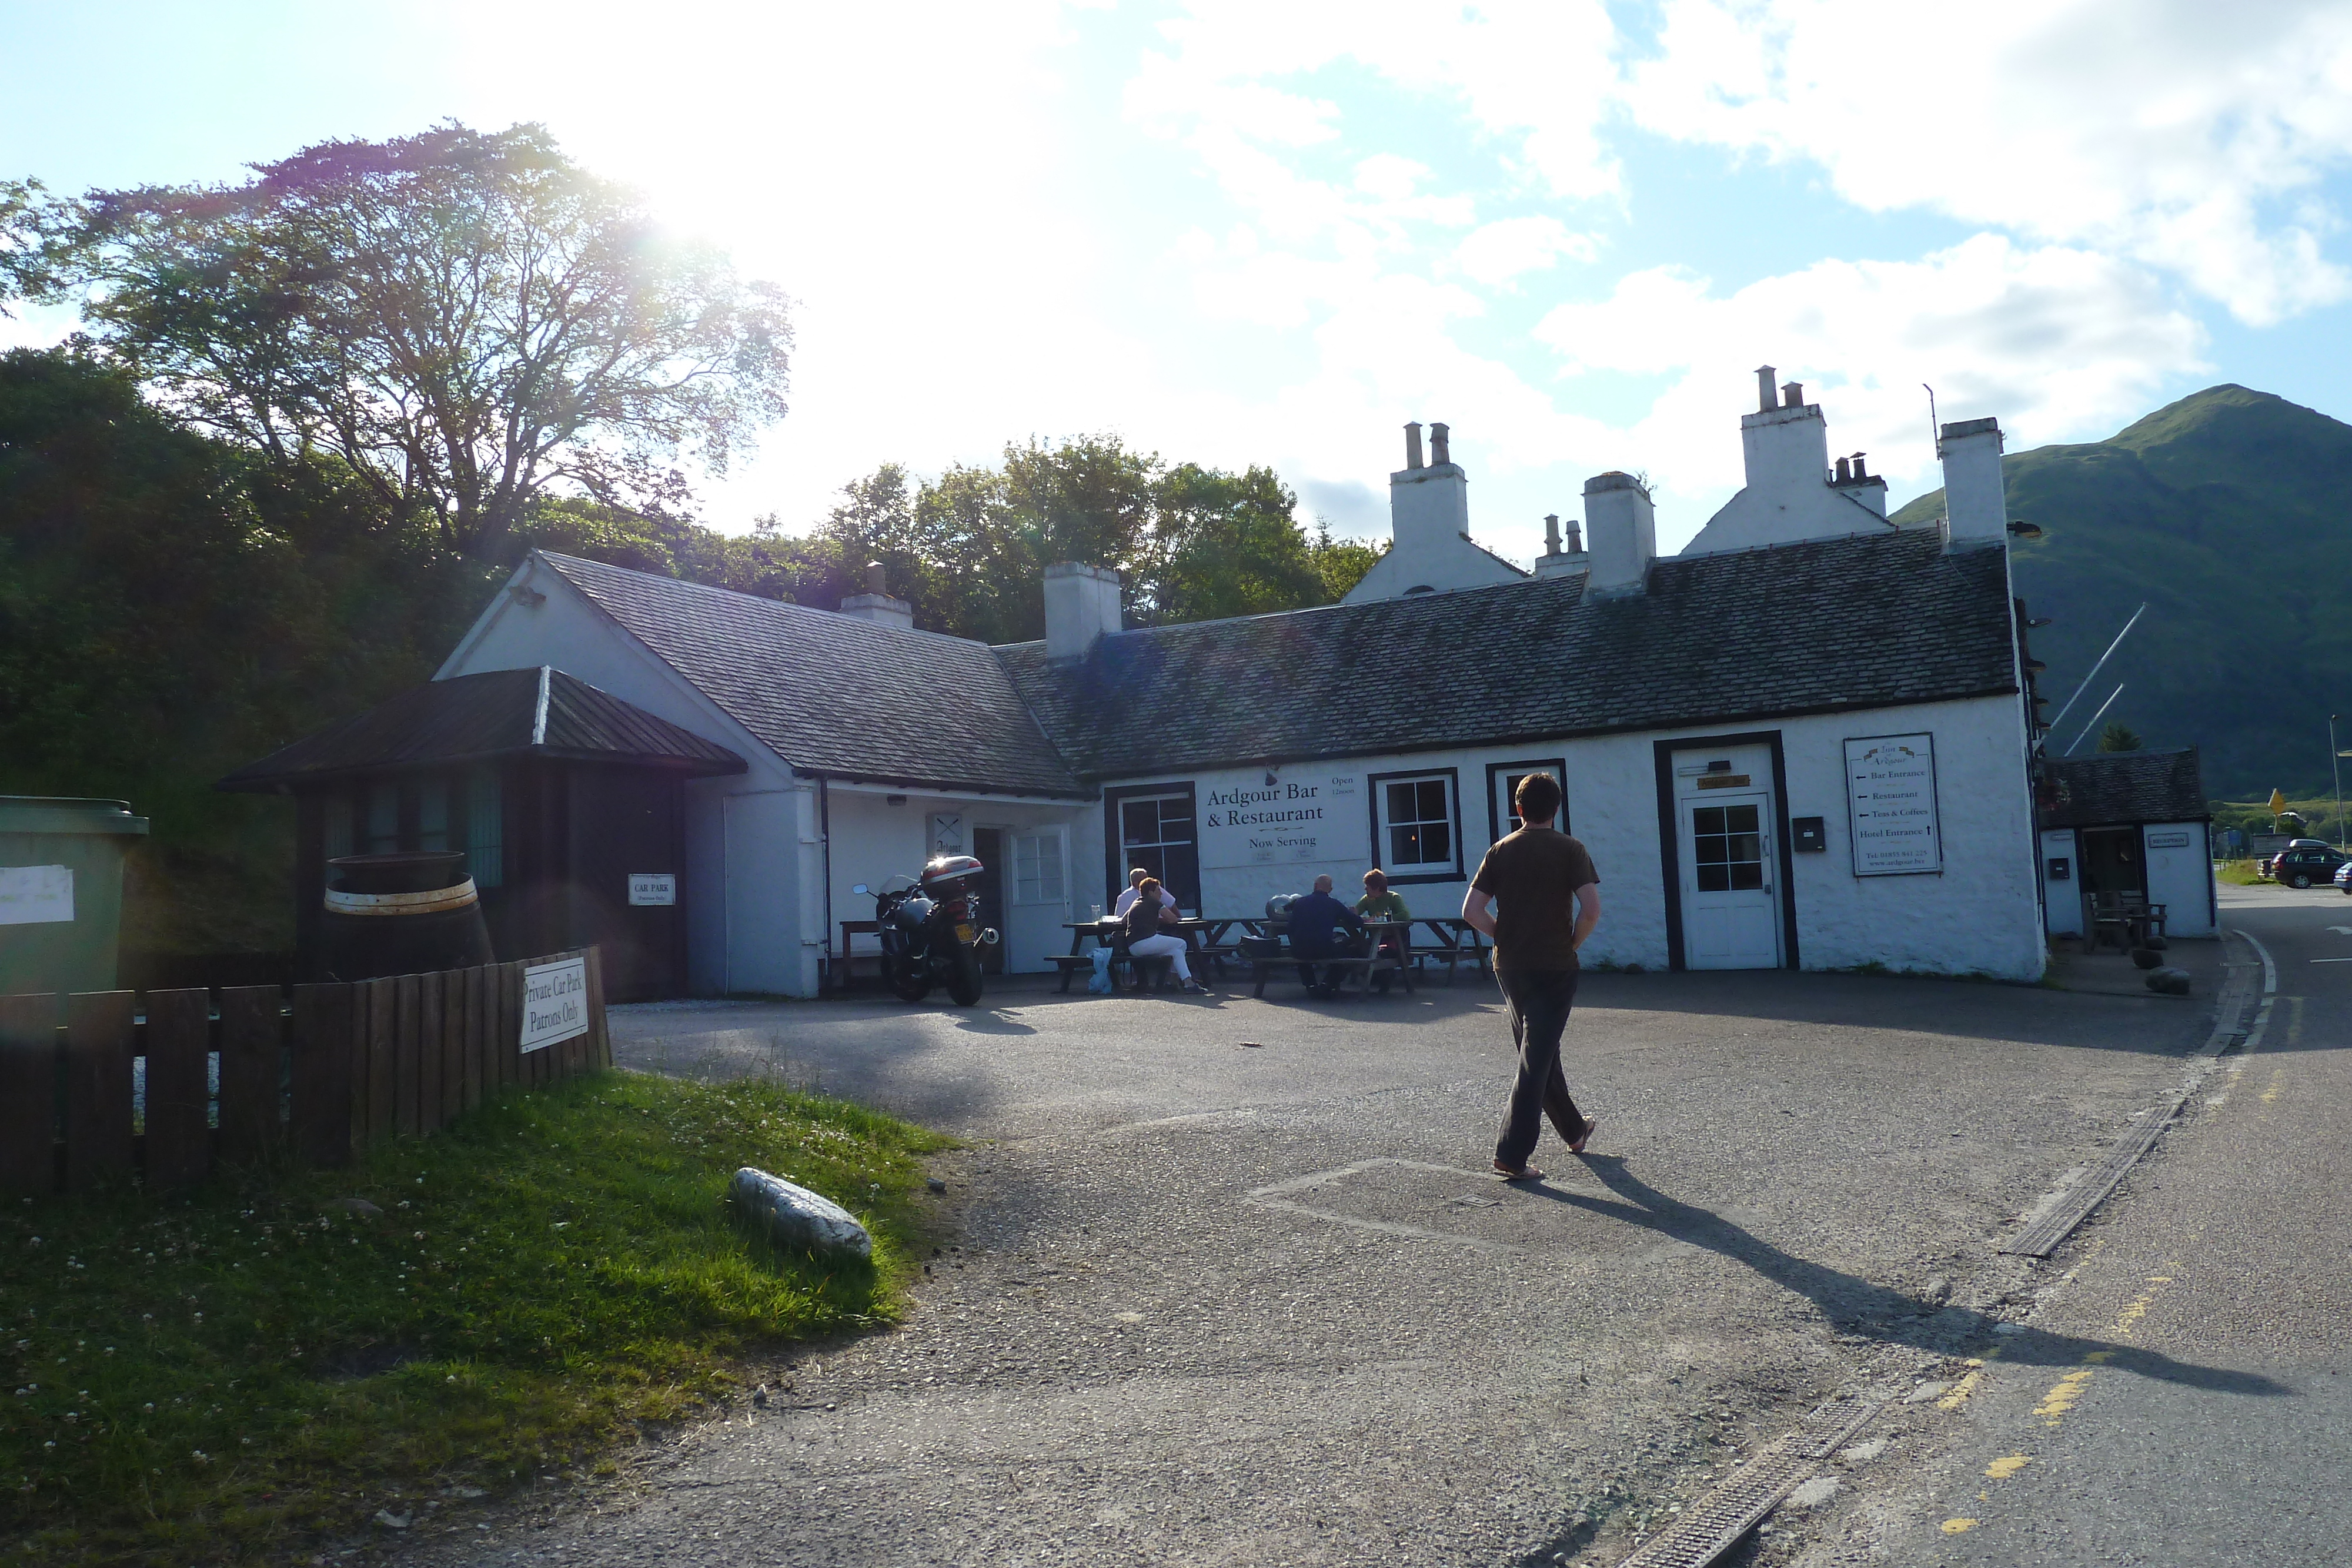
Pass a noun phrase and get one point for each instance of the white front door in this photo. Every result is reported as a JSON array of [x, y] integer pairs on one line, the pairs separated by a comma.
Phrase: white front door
[[1036, 897], [1731, 904]]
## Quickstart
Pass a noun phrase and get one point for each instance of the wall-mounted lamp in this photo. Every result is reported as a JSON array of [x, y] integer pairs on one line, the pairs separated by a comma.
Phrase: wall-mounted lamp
[[894, 800], [1269, 777], [2037, 625], [2020, 528], [524, 594]]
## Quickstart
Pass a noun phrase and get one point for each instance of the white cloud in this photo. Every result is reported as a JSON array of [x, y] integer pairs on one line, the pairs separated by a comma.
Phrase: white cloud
[[2054, 341], [2183, 135], [1500, 252]]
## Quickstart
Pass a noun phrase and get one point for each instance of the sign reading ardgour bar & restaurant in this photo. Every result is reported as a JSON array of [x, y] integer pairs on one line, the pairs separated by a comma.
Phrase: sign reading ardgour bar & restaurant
[[1254, 824], [554, 1003], [1890, 781]]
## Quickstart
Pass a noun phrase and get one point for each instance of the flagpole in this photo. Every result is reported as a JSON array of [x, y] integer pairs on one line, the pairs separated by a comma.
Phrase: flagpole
[[2335, 771]]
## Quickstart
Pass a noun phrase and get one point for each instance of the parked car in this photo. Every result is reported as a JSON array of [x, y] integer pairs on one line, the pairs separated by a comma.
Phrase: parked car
[[2303, 866], [2344, 878], [2268, 865]]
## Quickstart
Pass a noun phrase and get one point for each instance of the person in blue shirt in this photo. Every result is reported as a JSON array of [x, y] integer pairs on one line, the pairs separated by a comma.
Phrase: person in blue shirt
[[1312, 924]]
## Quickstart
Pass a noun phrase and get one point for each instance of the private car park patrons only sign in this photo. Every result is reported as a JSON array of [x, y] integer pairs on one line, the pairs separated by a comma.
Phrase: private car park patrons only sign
[[554, 1003], [1890, 781]]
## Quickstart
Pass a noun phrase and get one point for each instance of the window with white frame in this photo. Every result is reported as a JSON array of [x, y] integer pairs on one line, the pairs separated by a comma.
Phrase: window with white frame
[[1037, 868], [1416, 826]]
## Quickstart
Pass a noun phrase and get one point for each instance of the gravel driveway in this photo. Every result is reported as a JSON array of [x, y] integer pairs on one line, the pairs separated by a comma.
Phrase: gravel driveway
[[1230, 1285]]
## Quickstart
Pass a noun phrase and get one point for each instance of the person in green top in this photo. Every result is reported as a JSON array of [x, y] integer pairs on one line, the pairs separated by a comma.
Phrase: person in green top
[[1381, 902]]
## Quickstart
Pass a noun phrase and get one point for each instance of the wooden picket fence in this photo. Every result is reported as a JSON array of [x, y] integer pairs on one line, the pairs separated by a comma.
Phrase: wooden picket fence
[[321, 1074]]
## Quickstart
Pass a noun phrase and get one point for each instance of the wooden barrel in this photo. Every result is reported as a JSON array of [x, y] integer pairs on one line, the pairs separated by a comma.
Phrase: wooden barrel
[[402, 914]]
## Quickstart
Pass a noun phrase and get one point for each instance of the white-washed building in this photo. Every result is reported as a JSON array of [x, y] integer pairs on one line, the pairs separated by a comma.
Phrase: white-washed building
[[1801, 743]]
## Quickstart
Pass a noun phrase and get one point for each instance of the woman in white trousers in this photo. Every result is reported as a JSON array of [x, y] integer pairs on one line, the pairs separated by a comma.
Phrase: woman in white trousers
[[1146, 940]]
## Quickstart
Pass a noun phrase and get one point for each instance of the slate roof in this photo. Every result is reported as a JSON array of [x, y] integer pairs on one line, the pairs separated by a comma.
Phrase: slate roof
[[2124, 787], [837, 695], [1866, 621], [502, 712]]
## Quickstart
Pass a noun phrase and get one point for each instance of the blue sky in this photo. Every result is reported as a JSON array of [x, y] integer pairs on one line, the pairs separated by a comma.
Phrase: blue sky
[[1263, 232]]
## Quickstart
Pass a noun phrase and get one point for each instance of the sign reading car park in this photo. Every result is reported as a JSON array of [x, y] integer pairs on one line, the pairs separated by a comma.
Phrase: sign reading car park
[[653, 887], [1890, 782], [554, 1003]]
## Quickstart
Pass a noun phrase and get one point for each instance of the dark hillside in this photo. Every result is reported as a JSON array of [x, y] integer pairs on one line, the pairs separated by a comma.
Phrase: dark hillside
[[2230, 512]]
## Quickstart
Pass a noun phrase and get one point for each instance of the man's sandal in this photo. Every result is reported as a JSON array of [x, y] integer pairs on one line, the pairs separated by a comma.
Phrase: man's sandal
[[1525, 1173], [1584, 1137]]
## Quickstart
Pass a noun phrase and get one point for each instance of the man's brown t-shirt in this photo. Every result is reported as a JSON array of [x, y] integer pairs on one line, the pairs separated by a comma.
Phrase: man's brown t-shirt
[[1533, 875]]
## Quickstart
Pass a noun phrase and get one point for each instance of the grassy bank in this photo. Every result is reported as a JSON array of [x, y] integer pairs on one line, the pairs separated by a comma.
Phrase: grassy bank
[[222, 1376]]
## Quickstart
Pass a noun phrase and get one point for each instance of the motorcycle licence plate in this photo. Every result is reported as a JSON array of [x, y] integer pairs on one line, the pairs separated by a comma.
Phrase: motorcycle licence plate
[[963, 933]]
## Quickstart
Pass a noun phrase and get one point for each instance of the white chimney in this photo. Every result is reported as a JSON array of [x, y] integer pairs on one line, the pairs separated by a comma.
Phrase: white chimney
[[876, 605], [1976, 506], [1621, 528], [1081, 608], [1555, 561], [1429, 504]]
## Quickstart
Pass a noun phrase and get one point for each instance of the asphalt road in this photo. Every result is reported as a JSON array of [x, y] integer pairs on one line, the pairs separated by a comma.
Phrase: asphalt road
[[1228, 1282], [2226, 1250]]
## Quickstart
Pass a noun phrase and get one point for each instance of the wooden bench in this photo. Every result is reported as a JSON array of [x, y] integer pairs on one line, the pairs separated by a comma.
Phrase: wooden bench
[[1458, 943], [1360, 965]]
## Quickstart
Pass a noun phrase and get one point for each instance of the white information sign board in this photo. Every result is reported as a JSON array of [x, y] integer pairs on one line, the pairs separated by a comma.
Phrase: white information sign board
[[1273, 824], [554, 1003], [1890, 782], [653, 887], [36, 894]]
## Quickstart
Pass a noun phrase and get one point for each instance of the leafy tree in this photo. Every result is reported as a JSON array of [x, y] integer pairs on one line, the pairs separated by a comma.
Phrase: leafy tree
[[969, 550], [468, 320], [171, 606], [2119, 736]]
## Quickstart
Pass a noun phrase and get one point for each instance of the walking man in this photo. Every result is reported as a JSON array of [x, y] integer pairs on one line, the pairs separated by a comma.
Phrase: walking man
[[1537, 896]]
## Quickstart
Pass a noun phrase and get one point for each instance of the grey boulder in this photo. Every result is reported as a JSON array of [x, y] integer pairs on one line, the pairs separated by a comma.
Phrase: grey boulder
[[796, 1216], [2169, 981]]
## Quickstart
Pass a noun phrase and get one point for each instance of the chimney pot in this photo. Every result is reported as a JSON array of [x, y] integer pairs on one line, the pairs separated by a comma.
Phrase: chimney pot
[[1844, 471], [1551, 533], [1438, 454], [1576, 539], [1412, 445], [1793, 395], [1767, 400], [877, 578], [1858, 471]]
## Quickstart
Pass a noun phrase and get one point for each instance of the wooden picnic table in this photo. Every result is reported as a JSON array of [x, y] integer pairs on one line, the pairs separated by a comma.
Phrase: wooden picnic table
[[1111, 932], [1391, 953]]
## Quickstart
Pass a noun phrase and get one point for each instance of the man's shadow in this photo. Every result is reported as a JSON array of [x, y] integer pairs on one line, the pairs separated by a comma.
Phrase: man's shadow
[[1855, 1306]]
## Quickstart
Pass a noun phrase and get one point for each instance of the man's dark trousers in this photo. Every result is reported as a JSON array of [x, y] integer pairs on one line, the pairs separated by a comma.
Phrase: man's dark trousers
[[1540, 1001]]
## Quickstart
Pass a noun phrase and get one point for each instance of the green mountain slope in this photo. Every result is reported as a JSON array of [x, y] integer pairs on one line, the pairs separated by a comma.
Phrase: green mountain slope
[[2230, 512]]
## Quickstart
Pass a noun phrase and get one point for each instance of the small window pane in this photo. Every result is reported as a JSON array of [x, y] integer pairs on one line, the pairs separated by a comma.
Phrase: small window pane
[[383, 818], [485, 830], [1713, 879], [433, 814], [1420, 825], [338, 826]]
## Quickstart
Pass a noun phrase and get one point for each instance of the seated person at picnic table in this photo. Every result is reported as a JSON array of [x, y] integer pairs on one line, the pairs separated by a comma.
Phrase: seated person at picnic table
[[1310, 923], [1146, 920], [1381, 902], [1135, 881]]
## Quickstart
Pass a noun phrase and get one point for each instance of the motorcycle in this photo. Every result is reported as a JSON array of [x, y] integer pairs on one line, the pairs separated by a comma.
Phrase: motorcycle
[[930, 930]]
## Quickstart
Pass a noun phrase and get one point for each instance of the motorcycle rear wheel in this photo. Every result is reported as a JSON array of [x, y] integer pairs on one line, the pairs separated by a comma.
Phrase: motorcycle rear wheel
[[964, 977]]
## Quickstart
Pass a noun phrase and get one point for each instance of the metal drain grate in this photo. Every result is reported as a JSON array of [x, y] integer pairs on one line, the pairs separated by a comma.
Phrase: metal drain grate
[[1713, 1524]]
